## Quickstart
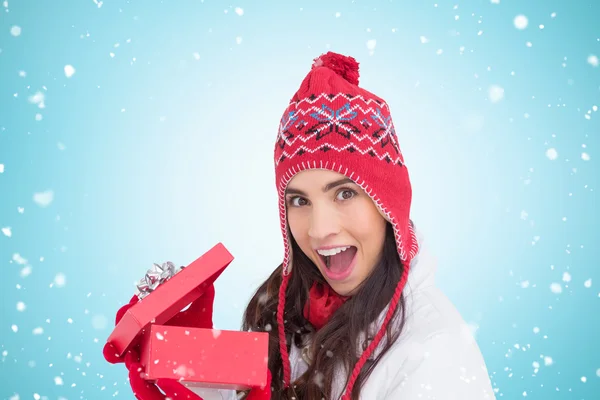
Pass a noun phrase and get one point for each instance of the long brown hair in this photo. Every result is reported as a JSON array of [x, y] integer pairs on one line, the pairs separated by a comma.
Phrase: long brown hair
[[337, 341]]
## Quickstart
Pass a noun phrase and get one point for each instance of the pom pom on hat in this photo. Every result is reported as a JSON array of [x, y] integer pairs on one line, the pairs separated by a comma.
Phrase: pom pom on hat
[[344, 66]]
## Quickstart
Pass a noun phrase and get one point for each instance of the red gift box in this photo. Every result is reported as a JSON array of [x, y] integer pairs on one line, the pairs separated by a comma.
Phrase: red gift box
[[213, 358], [206, 357]]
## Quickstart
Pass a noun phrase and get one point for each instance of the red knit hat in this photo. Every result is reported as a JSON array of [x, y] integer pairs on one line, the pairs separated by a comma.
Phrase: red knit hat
[[333, 124]]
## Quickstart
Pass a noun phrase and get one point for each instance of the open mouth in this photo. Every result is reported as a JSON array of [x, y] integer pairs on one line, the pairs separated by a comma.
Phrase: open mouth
[[338, 262]]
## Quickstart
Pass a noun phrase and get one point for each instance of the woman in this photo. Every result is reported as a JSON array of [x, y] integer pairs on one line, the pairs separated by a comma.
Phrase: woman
[[352, 312]]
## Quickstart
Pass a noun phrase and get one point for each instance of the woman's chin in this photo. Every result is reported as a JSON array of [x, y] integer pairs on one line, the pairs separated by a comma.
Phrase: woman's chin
[[343, 288]]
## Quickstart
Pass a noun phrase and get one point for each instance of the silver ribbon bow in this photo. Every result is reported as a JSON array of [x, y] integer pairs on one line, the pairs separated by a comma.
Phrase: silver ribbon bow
[[156, 276]]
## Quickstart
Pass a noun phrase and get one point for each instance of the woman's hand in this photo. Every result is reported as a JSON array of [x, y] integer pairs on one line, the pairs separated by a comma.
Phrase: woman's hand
[[197, 315]]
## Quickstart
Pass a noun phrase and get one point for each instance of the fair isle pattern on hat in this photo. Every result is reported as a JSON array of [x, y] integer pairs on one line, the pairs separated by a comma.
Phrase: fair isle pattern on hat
[[339, 122], [333, 124]]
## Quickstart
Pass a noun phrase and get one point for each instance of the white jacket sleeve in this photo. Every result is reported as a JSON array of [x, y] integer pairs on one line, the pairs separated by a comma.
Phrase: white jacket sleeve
[[444, 370]]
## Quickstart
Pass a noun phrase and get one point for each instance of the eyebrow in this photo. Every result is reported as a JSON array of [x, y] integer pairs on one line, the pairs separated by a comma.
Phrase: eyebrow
[[325, 188]]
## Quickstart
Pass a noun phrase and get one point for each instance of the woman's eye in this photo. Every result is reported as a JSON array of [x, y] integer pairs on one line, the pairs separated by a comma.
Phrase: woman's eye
[[297, 201], [346, 194]]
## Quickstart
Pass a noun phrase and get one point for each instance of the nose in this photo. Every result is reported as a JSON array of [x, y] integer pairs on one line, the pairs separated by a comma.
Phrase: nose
[[324, 222]]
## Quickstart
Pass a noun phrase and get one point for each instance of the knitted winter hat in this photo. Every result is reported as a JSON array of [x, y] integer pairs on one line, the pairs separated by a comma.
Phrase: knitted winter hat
[[332, 124]]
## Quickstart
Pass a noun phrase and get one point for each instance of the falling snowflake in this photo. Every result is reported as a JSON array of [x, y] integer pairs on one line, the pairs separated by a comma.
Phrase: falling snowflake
[[15, 30], [371, 44], [43, 199], [60, 280], [38, 98], [521, 22], [552, 154], [69, 71], [495, 93]]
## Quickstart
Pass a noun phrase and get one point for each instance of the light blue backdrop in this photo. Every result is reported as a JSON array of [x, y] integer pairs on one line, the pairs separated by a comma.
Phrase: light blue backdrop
[[133, 132]]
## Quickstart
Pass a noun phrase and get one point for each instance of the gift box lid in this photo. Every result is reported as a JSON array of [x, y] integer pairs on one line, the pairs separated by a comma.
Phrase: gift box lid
[[170, 297]]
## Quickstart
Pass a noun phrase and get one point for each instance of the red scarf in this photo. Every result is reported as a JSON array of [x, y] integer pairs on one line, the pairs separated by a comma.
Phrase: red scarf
[[322, 303]]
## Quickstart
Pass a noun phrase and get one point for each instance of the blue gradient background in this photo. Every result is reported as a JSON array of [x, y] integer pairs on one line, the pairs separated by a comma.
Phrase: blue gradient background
[[154, 154]]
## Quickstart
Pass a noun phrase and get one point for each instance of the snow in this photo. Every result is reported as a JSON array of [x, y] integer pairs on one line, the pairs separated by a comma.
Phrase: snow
[[38, 98], [371, 44], [523, 106], [15, 30], [60, 280], [43, 199], [556, 288], [552, 154], [26, 271], [521, 22], [69, 71], [495, 93]]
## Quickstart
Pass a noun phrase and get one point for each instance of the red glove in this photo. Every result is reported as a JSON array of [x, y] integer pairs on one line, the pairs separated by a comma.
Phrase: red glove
[[264, 393], [197, 315]]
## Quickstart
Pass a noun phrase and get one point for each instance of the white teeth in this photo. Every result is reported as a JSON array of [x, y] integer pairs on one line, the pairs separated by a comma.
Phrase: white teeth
[[332, 252]]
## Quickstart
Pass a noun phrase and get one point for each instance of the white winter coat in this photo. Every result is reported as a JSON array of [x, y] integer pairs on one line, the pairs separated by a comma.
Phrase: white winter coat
[[435, 357]]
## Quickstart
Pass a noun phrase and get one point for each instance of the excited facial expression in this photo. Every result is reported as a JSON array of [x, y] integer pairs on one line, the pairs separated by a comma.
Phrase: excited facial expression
[[337, 225]]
